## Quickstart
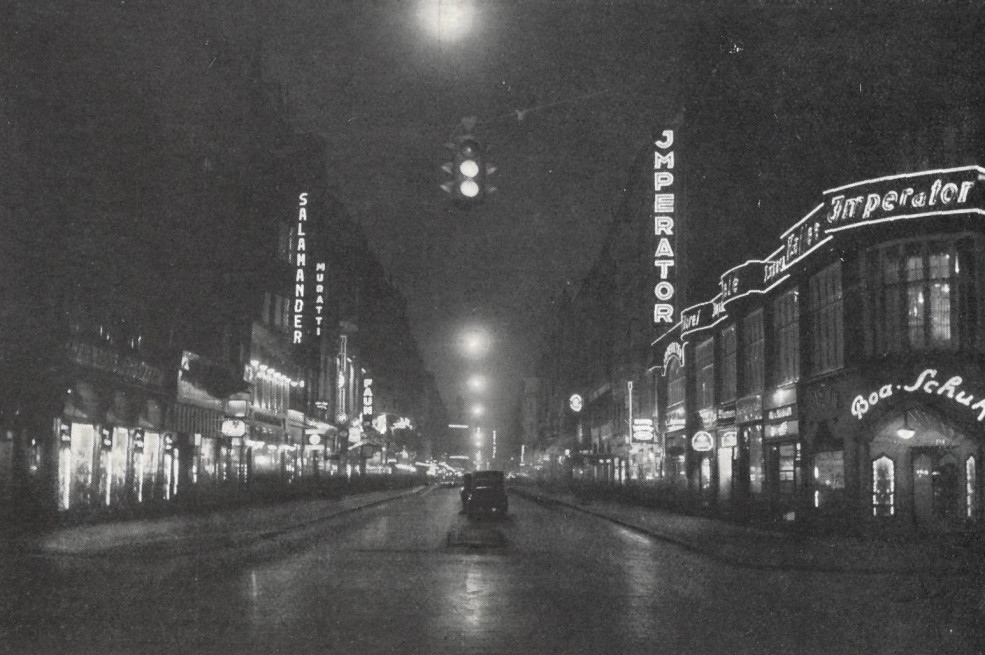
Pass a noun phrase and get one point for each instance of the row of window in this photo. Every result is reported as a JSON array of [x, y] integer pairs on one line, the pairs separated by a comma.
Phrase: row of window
[[913, 293]]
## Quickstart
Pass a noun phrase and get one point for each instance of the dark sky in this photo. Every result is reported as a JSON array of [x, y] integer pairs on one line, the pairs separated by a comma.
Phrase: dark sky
[[564, 94], [567, 94], [780, 103]]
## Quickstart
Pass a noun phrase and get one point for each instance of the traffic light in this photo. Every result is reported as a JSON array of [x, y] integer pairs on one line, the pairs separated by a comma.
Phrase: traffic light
[[469, 171]]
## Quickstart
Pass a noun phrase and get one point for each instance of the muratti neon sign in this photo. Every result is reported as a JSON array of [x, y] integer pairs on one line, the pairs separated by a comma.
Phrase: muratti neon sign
[[927, 382], [664, 205], [319, 296], [300, 260]]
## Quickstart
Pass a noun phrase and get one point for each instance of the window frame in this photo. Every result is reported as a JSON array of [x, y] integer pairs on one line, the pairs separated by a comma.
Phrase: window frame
[[826, 318], [754, 352], [786, 337]]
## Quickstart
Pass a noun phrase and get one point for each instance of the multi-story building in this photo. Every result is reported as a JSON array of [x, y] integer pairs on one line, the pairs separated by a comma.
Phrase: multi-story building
[[841, 375]]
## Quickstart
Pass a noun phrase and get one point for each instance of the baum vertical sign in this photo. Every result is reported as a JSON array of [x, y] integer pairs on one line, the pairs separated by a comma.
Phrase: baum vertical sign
[[300, 260], [664, 240]]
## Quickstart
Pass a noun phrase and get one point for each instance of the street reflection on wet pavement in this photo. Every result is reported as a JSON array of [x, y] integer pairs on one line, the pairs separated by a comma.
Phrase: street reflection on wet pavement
[[417, 576]]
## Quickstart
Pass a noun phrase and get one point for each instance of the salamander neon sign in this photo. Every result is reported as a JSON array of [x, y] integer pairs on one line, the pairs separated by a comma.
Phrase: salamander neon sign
[[300, 260]]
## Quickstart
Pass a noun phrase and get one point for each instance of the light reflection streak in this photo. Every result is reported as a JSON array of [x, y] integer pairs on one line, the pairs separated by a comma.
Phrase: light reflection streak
[[640, 571]]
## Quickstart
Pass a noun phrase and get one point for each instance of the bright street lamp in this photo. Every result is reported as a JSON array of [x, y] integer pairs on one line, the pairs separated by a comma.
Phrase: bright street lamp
[[447, 20]]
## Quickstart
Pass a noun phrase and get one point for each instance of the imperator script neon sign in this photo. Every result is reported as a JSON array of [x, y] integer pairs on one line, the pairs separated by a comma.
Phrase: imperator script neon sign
[[901, 197]]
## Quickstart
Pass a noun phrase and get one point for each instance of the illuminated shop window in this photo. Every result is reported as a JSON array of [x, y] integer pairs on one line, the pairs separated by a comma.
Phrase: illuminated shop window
[[827, 333], [921, 295], [788, 461], [753, 436], [971, 483], [883, 487]]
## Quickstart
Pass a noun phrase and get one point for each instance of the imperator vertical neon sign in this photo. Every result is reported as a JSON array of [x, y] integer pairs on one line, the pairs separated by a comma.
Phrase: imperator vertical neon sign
[[664, 206]]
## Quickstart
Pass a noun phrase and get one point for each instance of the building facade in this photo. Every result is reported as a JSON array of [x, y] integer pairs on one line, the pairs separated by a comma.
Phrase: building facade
[[840, 377]]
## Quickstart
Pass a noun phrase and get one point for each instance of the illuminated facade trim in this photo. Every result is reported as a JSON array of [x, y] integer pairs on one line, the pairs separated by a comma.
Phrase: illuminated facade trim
[[953, 191]]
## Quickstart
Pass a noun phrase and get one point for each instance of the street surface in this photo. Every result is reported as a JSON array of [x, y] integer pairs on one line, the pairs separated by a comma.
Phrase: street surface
[[414, 575]]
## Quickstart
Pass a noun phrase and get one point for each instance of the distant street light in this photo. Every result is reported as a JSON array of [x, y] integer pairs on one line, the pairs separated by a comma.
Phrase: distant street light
[[477, 383]]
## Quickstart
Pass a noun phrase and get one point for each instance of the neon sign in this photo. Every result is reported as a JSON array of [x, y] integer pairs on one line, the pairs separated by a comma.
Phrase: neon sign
[[663, 228], [319, 296], [675, 350], [900, 197], [300, 260], [928, 383], [702, 442], [367, 396], [931, 193]]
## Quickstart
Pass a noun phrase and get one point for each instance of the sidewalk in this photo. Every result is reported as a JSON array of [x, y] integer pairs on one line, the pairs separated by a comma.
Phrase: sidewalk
[[190, 533], [759, 548]]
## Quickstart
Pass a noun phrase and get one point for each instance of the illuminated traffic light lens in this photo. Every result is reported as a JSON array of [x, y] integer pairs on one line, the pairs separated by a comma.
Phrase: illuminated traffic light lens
[[469, 188], [469, 168]]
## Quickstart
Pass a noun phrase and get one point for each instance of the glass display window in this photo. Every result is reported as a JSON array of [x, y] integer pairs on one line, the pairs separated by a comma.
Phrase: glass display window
[[883, 487]]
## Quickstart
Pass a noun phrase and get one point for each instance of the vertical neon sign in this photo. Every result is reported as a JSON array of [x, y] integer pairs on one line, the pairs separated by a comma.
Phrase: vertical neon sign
[[664, 206], [319, 296], [300, 259]]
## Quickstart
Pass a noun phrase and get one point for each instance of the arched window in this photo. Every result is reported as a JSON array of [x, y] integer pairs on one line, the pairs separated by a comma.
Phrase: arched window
[[883, 487]]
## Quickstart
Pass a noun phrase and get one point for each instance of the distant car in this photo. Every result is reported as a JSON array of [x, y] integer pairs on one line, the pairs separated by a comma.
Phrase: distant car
[[485, 493], [466, 489]]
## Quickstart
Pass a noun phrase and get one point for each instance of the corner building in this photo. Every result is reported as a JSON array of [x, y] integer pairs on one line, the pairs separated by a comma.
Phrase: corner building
[[840, 379]]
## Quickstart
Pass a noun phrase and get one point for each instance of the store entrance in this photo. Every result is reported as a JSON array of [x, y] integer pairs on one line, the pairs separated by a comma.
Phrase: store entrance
[[924, 472], [937, 501]]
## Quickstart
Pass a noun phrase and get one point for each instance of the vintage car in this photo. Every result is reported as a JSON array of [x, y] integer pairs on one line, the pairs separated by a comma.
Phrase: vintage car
[[485, 493]]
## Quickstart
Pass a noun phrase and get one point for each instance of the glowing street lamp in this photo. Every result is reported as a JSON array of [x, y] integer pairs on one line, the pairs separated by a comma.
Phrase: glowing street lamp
[[447, 20], [477, 383], [475, 342]]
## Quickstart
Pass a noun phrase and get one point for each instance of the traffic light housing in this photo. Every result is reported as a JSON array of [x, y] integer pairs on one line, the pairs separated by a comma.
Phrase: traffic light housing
[[469, 172]]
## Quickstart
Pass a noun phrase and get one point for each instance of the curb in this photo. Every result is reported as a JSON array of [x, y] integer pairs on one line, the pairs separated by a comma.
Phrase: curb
[[186, 534], [751, 556]]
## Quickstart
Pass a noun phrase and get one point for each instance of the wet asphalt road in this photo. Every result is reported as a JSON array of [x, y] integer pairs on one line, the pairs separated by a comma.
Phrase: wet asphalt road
[[416, 576]]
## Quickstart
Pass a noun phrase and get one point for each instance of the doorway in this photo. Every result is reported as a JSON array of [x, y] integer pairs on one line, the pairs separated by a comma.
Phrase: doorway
[[937, 501]]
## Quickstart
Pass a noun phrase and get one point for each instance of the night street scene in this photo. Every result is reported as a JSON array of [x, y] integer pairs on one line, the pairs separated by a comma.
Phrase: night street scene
[[492, 327]]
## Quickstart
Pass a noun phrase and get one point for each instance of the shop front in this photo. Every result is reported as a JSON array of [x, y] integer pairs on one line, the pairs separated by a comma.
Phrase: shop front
[[921, 439], [704, 458], [747, 460], [112, 450], [783, 454], [702, 476], [676, 447], [727, 439]]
